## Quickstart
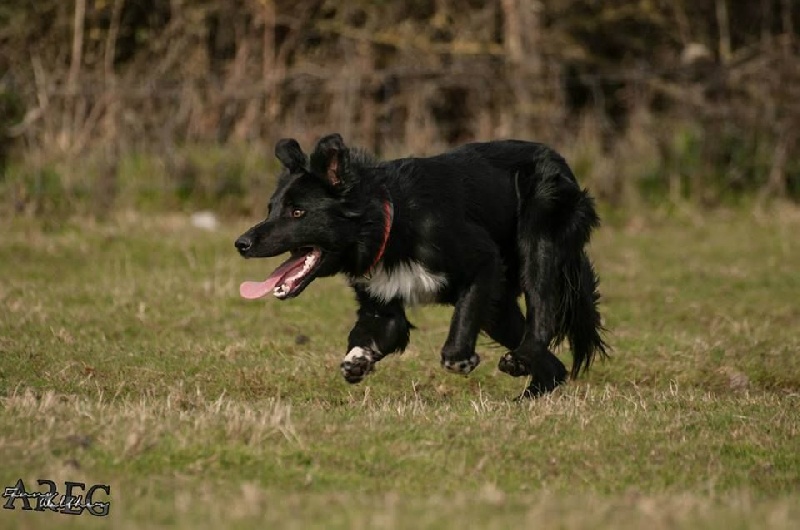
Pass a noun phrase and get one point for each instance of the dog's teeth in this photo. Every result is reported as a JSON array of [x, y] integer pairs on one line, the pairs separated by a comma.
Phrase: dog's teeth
[[282, 290]]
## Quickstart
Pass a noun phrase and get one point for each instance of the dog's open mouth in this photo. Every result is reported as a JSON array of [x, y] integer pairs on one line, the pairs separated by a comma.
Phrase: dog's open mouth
[[289, 279]]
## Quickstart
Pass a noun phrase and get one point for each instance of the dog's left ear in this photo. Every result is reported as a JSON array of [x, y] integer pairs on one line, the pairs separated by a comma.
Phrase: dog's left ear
[[288, 151], [330, 159]]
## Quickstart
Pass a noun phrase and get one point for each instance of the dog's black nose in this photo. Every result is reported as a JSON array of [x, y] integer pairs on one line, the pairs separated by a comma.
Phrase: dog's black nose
[[243, 244]]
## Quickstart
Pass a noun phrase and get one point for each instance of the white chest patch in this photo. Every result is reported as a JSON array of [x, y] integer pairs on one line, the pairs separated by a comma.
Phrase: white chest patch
[[410, 281]]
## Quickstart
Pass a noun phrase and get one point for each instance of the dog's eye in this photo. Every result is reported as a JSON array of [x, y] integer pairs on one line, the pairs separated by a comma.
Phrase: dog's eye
[[298, 213]]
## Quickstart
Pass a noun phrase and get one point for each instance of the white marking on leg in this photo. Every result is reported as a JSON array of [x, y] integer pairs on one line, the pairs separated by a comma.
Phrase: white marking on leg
[[358, 353], [357, 364]]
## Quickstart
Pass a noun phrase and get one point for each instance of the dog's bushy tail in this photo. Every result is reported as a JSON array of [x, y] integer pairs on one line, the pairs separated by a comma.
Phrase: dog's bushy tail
[[558, 218], [579, 317]]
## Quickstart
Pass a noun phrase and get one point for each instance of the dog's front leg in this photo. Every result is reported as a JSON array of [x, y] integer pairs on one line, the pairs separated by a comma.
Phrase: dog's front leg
[[472, 308], [381, 329]]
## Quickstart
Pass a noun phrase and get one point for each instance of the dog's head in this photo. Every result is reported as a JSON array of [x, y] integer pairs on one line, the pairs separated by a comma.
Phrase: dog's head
[[309, 216]]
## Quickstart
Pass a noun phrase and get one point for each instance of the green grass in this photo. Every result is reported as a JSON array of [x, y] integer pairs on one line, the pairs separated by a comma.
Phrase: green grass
[[128, 358]]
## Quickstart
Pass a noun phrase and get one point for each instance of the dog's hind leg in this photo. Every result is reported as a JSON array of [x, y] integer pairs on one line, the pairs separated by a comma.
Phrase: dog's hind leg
[[542, 290], [381, 329], [555, 221]]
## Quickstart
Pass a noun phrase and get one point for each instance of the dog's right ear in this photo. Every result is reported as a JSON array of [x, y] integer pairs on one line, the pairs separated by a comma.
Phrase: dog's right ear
[[288, 151]]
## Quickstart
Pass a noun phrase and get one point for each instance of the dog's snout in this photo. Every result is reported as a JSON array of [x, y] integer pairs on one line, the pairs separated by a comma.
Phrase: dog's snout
[[243, 244]]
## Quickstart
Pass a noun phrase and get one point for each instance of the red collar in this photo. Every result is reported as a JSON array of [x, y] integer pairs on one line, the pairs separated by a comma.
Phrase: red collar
[[388, 216]]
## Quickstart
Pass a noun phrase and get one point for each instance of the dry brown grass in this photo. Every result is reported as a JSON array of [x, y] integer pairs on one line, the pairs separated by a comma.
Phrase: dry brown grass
[[129, 360]]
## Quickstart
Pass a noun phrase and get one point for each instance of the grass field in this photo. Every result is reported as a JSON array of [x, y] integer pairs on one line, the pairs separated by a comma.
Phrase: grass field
[[128, 359]]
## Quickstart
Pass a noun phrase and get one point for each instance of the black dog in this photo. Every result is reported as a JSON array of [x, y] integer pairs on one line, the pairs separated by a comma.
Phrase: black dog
[[474, 227]]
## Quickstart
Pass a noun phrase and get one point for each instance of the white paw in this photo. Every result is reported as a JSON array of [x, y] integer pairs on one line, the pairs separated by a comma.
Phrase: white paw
[[357, 364]]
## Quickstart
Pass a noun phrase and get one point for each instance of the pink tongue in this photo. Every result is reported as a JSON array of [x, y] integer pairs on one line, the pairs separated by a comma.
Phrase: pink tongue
[[253, 290]]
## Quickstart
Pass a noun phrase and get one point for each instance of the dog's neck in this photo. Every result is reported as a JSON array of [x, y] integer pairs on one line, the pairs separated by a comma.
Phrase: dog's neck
[[388, 217]]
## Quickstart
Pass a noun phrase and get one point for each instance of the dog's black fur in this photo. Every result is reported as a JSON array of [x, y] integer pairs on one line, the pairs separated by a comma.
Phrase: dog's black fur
[[475, 227]]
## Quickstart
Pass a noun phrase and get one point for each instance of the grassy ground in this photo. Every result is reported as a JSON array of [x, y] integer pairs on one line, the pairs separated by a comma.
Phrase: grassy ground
[[128, 359]]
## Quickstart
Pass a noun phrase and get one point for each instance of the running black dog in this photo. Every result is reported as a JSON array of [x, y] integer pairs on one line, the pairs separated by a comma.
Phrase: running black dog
[[474, 227]]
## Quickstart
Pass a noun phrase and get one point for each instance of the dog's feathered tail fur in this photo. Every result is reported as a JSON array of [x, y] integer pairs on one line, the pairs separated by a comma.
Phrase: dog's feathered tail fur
[[555, 220]]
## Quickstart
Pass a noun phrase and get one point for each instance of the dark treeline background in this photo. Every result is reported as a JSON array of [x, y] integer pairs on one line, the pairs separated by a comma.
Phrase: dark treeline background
[[176, 103]]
